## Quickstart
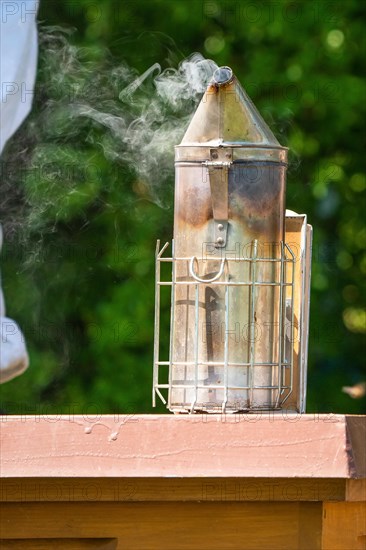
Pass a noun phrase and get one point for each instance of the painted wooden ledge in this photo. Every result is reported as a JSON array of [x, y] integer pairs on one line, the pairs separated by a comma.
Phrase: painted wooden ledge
[[165, 481]]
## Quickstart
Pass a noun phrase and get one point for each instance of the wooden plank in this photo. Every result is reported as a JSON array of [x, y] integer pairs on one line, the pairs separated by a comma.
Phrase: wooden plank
[[355, 490], [356, 439], [344, 526], [58, 544], [182, 526], [309, 527], [171, 489], [213, 446]]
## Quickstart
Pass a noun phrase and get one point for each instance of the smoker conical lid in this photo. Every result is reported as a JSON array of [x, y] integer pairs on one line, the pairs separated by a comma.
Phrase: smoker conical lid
[[226, 115]]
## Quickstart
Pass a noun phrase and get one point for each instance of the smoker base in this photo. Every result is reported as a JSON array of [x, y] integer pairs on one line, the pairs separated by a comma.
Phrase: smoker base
[[178, 410], [149, 482]]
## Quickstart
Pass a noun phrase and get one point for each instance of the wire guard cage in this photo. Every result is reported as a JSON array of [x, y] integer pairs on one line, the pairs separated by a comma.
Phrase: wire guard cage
[[225, 366]]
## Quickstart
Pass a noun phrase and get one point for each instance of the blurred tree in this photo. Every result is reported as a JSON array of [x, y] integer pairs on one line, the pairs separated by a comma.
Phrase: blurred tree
[[81, 231]]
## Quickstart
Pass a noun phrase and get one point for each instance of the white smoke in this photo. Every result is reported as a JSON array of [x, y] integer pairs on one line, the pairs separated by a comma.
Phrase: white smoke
[[84, 102], [146, 126]]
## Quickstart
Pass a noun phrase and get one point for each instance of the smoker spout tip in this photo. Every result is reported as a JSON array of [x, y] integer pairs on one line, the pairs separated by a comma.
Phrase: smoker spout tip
[[222, 76]]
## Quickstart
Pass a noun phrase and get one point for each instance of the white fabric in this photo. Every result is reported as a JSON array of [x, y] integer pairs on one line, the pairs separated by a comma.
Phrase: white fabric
[[13, 353], [18, 63]]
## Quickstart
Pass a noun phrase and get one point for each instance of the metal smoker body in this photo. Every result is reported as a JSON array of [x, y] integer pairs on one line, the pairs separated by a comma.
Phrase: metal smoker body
[[232, 280]]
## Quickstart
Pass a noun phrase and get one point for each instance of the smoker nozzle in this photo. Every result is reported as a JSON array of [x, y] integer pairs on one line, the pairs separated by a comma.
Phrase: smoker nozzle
[[222, 75], [226, 116]]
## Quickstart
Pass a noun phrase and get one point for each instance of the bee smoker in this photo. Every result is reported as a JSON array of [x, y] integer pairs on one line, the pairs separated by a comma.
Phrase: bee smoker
[[239, 289]]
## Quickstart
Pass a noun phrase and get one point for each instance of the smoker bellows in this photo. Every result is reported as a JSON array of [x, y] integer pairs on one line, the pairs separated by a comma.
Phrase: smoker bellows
[[240, 267]]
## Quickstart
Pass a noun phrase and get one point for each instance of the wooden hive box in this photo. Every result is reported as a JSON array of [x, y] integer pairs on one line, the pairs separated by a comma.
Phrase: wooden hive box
[[149, 482]]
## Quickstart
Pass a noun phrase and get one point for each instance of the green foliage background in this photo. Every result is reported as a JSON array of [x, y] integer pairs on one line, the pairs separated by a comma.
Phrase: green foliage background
[[78, 267]]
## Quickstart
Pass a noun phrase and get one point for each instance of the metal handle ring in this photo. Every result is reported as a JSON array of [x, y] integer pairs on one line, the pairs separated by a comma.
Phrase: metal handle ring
[[217, 276]]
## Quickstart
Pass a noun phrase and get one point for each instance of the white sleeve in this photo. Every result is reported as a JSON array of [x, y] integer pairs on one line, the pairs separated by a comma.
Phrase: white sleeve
[[18, 64], [13, 352]]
